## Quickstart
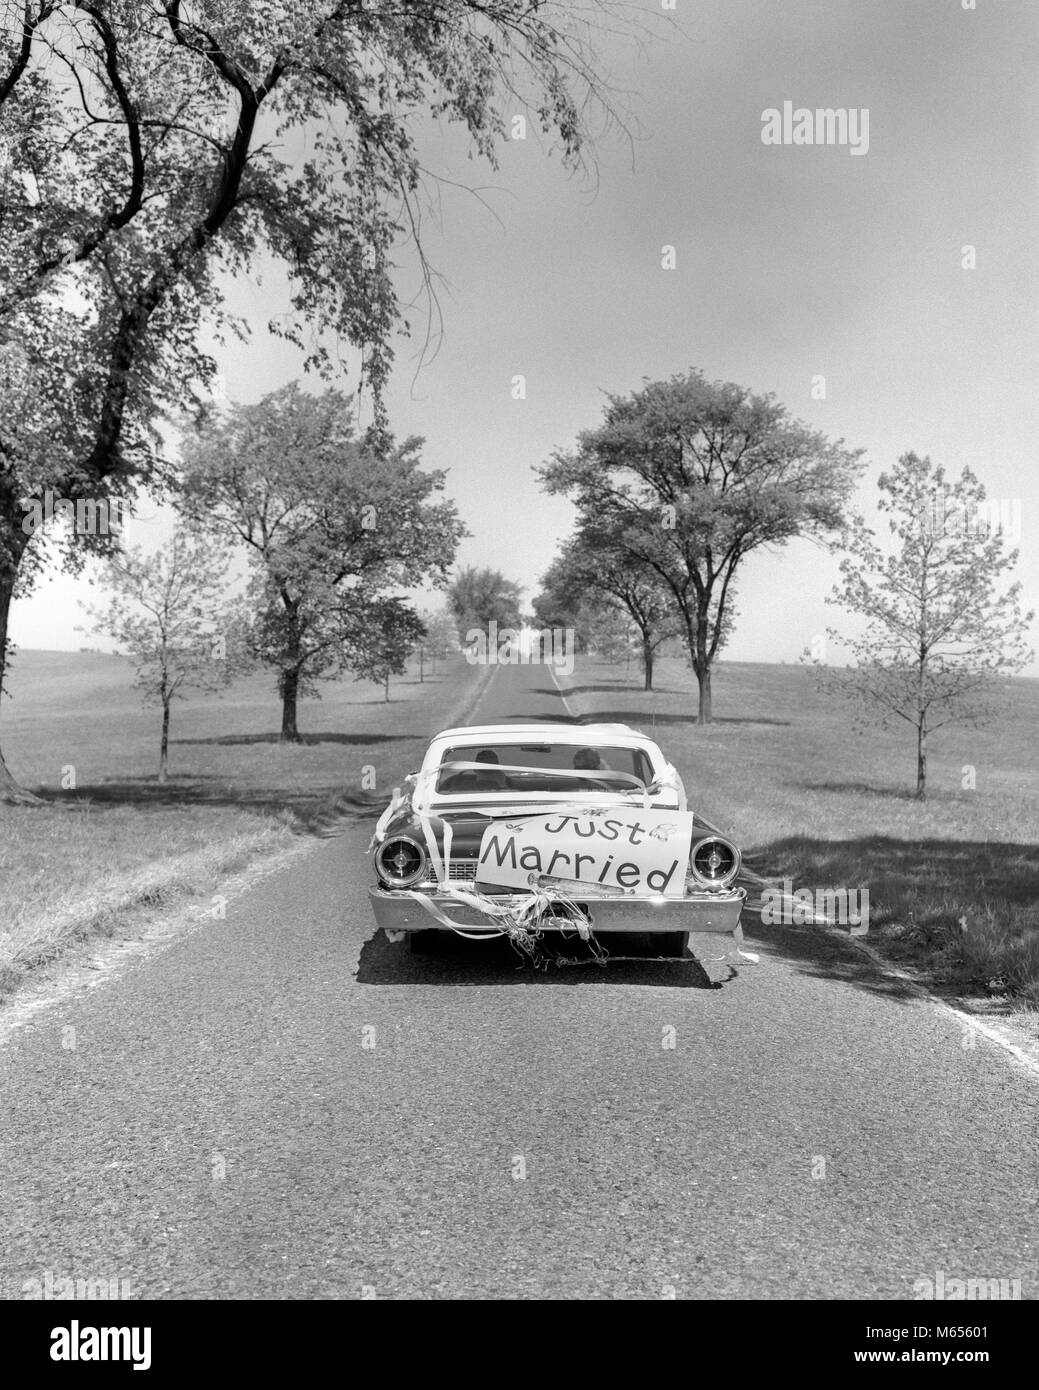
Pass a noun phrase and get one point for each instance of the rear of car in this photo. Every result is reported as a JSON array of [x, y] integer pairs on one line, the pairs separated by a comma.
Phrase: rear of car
[[536, 829]]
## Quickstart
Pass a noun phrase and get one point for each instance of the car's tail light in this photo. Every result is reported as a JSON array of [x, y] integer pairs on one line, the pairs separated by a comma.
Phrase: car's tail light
[[400, 861], [714, 862]]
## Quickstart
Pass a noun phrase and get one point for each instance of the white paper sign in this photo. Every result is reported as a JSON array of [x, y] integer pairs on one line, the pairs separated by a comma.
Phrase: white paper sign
[[645, 852]]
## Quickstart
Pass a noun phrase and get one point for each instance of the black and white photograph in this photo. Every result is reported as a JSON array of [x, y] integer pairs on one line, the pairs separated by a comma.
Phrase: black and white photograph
[[519, 671]]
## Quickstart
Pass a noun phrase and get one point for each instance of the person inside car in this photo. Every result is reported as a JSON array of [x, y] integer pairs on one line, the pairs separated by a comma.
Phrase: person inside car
[[489, 781], [587, 760]]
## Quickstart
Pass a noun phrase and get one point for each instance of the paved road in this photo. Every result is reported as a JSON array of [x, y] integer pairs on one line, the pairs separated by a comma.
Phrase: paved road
[[221, 1130]]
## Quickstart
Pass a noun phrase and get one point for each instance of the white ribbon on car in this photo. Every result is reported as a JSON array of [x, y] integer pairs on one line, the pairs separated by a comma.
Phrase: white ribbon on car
[[737, 946], [513, 913], [737, 937], [602, 774], [419, 784], [398, 800]]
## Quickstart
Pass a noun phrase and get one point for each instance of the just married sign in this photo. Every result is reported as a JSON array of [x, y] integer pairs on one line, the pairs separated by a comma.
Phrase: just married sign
[[644, 852]]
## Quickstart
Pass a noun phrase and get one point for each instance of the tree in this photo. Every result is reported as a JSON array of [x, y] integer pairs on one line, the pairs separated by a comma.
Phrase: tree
[[150, 151], [383, 641], [591, 568], [170, 615], [939, 634], [687, 477], [478, 597], [331, 522], [36, 427], [438, 639], [556, 605], [609, 632]]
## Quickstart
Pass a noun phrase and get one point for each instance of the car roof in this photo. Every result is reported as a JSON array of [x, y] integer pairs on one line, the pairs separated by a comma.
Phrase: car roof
[[558, 733], [576, 735]]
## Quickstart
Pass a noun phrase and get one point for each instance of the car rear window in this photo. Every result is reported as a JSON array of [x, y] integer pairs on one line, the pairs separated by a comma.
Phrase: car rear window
[[513, 767]]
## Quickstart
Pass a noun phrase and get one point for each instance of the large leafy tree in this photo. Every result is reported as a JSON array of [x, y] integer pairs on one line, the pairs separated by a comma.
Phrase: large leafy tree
[[478, 597], [941, 627], [332, 521], [591, 571], [687, 477], [150, 148], [609, 632]]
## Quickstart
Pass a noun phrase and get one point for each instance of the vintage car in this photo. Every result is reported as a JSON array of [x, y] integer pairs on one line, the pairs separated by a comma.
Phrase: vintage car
[[524, 830]]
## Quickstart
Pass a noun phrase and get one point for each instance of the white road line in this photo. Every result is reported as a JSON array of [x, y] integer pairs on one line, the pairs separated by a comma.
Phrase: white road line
[[994, 1034], [562, 696]]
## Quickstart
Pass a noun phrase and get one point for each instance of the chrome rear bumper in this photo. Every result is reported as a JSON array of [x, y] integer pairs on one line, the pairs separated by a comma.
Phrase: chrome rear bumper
[[702, 913]]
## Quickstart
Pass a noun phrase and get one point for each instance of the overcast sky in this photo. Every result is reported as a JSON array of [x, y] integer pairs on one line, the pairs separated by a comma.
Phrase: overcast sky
[[791, 262]]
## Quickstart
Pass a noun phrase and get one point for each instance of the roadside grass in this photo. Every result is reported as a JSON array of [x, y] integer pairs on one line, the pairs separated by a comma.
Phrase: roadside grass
[[953, 880], [112, 843]]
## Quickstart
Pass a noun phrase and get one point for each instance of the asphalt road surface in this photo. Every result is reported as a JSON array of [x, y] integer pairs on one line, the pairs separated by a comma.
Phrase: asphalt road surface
[[229, 1125]]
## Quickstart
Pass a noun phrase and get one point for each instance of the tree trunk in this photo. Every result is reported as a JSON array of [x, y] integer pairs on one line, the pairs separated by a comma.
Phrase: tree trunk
[[289, 698], [387, 685], [921, 760], [647, 665], [164, 747], [702, 664], [703, 680], [11, 792], [696, 645], [421, 665]]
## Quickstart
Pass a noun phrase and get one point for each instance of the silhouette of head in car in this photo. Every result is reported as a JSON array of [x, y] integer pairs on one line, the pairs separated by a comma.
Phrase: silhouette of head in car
[[587, 760], [489, 781]]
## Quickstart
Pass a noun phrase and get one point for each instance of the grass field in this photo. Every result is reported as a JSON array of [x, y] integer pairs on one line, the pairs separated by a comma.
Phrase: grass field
[[953, 880], [117, 843]]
